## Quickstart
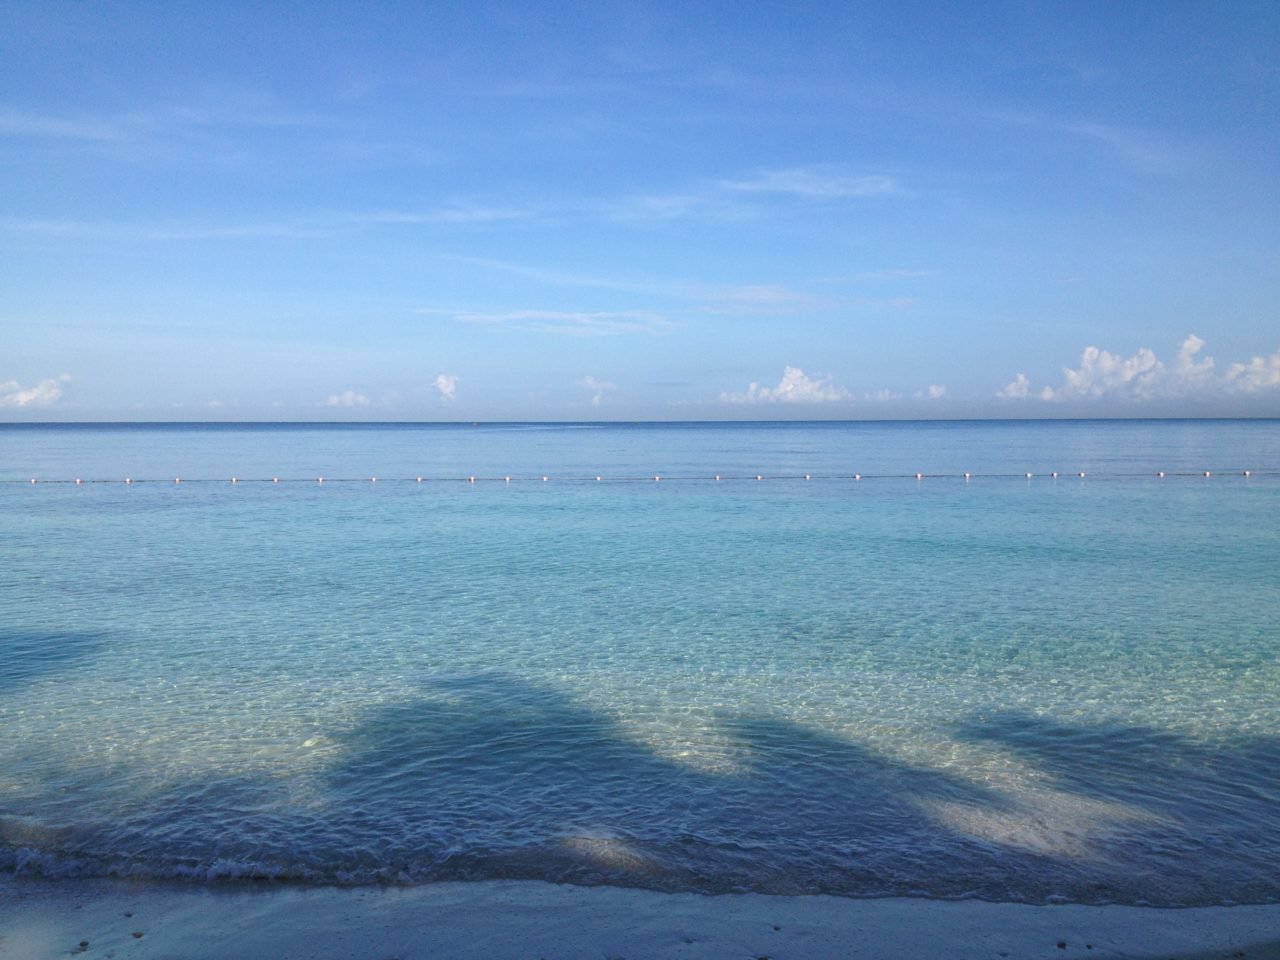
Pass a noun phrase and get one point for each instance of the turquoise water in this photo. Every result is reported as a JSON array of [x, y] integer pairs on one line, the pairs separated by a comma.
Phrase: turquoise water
[[1014, 689]]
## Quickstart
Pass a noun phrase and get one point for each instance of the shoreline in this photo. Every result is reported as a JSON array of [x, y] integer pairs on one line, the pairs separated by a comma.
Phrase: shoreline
[[497, 919]]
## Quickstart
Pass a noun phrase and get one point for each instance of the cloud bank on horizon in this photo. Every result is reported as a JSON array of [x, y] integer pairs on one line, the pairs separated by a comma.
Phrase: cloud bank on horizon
[[1144, 377], [420, 212]]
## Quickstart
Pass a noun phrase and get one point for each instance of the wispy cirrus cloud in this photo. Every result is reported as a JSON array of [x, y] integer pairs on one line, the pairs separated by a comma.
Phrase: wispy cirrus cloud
[[550, 277], [755, 299], [822, 182], [572, 323], [456, 213], [1142, 151], [195, 126], [318, 225], [14, 123], [1144, 376], [795, 387], [742, 197], [46, 393], [892, 273]]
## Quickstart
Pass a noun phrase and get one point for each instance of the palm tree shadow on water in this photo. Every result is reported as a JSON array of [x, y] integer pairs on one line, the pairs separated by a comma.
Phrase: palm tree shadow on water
[[27, 655], [488, 776]]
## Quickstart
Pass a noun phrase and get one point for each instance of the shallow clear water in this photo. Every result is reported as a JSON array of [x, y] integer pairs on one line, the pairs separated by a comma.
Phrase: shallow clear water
[[1019, 690]]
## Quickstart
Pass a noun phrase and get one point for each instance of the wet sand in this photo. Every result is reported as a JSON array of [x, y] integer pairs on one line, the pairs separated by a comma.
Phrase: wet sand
[[122, 920]]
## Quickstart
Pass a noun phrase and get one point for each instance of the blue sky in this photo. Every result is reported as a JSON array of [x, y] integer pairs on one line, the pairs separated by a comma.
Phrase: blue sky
[[474, 211]]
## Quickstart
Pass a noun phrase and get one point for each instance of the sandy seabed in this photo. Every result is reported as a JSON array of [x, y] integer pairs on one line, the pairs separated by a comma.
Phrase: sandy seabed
[[524, 920]]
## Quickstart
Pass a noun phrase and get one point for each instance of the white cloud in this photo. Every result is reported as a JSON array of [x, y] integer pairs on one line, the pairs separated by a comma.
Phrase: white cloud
[[1186, 362], [733, 199], [935, 391], [794, 387], [1103, 374], [446, 385], [1260, 373], [895, 273], [598, 388], [598, 323], [348, 398], [461, 213], [1143, 376], [752, 299], [17, 124], [1017, 389], [1141, 150], [44, 394], [884, 396], [816, 183]]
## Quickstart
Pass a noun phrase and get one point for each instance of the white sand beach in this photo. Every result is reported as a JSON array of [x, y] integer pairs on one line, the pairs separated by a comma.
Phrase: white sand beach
[[496, 920]]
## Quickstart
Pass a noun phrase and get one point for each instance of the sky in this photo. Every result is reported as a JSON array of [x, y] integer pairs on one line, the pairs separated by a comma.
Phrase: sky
[[638, 211]]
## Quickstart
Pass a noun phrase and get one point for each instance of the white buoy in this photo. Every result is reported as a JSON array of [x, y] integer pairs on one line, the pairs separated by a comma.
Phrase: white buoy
[[471, 479], [758, 477], [419, 479], [33, 479], [1081, 474], [919, 476], [1028, 476], [275, 479], [233, 480], [177, 479], [806, 476], [508, 479], [717, 476], [1054, 474], [967, 476], [544, 479], [373, 479], [319, 479], [1160, 474], [598, 479], [857, 476], [1207, 473], [657, 478], [126, 480], [1247, 473]]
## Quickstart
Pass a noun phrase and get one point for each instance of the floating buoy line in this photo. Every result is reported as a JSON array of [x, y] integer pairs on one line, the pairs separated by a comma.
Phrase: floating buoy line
[[472, 479]]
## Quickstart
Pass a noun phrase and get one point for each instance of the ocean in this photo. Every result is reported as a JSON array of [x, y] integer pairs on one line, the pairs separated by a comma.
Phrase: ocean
[[843, 667]]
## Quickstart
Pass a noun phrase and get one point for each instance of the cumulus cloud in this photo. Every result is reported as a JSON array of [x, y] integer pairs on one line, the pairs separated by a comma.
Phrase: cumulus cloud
[[1103, 374], [348, 398], [598, 388], [446, 385], [935, 391], [1260, 373], [44, 394], [794, 387], [1144, 376], [1017, 389], [1186, 364]]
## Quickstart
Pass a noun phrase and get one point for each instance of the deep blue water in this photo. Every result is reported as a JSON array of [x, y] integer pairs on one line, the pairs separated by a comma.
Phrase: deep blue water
[[1019, 689]]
